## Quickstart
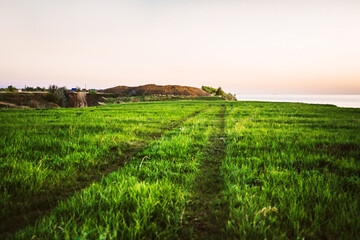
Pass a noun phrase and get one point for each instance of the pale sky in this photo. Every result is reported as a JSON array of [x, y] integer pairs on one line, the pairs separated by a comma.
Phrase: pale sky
[[257, 46]]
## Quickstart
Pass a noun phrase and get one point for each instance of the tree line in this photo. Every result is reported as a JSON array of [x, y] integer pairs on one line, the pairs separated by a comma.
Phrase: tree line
[[219, 92]]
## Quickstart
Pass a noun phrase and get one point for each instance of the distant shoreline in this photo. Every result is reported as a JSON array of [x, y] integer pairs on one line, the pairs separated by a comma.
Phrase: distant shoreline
[[347, 101]]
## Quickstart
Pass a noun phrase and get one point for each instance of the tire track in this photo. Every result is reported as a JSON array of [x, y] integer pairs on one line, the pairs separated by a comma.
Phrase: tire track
[[19, 219], [207, 212]]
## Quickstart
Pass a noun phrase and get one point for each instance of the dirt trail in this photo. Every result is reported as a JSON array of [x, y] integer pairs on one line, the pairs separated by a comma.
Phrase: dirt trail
[[82, 99], [207, 213], [20, 220]]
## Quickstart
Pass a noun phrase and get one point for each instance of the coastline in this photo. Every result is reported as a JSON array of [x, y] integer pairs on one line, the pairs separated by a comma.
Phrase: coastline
[[346, 101]]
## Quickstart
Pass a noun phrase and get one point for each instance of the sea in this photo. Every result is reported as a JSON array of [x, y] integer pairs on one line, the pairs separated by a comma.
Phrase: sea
[[347, 101]]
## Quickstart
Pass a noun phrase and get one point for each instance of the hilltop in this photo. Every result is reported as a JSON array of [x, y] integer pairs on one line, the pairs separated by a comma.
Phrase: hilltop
[[152, 89]]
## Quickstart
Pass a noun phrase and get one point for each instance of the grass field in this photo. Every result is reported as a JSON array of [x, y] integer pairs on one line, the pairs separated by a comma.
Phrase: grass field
[[196, 169]]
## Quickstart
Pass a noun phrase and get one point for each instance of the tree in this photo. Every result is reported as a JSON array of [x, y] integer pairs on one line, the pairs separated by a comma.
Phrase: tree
[[220, 92], [209, 89], [40, 89], [11, 88], [53, 88], [230, 97], [61, 94]]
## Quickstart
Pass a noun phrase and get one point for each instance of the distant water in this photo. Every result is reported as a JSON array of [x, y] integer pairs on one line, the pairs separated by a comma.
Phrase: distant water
[[352, 101]]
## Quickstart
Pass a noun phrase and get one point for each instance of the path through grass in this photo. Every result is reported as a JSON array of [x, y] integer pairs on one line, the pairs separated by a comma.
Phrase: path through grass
[[207, 211], [64, 150], [144, 199]]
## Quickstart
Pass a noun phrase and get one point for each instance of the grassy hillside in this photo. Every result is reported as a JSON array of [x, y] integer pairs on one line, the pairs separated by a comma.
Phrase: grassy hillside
[[152, 89], [181, 170]]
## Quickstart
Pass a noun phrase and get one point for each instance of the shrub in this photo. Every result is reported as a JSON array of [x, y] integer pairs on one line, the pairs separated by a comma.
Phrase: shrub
[[52, 88], [209, 89], [11, 88], [51, 97], [230, 97], [220, 92], [61, 94]]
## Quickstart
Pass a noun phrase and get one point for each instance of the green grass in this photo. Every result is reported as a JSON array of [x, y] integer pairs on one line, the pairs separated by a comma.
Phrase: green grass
[[113, 99], [144, 199], [182, 170], [292, 171], [47, 153]]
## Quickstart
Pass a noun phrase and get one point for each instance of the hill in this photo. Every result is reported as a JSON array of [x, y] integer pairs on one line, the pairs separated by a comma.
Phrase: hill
[[152, 89]]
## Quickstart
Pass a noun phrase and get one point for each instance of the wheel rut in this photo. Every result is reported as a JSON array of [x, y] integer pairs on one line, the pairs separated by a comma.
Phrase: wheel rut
[[207, 212], [19, 220]]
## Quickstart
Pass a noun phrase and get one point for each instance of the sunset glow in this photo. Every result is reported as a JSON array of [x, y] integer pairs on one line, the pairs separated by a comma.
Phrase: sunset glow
[[258, 46]]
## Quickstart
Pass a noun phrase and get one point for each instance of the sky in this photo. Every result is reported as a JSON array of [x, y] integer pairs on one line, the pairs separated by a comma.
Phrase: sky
[[246, 47]]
